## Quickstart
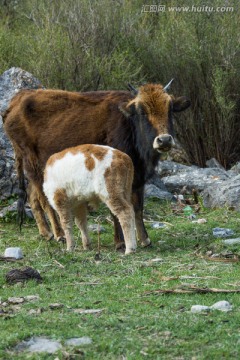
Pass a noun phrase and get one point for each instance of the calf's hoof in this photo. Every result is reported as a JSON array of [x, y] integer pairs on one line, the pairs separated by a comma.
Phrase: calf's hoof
[[70, 249], [146, 243], [130, 251]]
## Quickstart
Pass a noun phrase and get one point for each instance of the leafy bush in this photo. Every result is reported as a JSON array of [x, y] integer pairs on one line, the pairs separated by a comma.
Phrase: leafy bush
[[92, 45]]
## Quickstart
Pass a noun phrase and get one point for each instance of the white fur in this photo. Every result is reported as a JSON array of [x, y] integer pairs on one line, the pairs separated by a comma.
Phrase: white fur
[[71, 174]]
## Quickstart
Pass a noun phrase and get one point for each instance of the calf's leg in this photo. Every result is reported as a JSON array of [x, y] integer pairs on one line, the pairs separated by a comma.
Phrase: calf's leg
[[80, 213], [66, 217], [38, 213], [123, 210], [118, 234]]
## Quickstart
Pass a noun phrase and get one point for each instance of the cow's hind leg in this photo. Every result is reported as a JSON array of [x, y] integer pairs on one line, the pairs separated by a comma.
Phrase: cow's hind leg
[[38, 213], [52, 216], [80, 213], [123, 210]]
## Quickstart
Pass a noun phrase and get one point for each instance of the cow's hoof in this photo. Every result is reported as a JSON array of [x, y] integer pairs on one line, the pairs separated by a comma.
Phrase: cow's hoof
[[146, 243], [71, 249], [120, 247], [48, 236], [61, 239]]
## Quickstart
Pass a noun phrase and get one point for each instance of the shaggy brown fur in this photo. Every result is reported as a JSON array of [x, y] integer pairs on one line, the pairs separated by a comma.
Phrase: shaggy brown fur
[[40, 123]]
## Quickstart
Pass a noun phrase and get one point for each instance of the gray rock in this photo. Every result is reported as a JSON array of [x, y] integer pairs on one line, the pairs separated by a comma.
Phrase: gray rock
[[222, 232], [95, 228], [168, 168], [39, 344], [213, 163], [222, 306], [195, 178], [231, 241], [199, 308], [11, 81], [151, 190], [223, 193], [13, 209], [158, 225], [85, 340], [156, 180], [14, 252], [236, 168]]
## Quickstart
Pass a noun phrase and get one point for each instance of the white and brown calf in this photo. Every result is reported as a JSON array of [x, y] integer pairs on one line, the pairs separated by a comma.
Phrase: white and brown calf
[[85, 174]]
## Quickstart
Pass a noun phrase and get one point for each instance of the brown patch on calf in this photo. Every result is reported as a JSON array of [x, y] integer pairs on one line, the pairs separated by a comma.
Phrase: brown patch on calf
[[60, 198], [88, 150], [121, 169]]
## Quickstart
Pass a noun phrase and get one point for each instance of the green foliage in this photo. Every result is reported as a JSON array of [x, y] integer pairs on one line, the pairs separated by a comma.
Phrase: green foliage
[[91, 45]]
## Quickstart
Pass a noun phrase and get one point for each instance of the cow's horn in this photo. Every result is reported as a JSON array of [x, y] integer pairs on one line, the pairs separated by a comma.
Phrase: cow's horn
[[168, 85], [132, 89]]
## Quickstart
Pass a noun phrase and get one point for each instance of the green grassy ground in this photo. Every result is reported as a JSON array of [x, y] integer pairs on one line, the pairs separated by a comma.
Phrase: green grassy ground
[[135, 322]]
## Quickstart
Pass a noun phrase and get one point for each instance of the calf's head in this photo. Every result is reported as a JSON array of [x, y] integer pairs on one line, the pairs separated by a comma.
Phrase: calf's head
[[151, 113]]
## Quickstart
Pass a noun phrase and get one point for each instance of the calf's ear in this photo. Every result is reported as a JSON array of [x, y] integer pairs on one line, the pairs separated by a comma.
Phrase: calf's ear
[[180, 104], [127, 109]]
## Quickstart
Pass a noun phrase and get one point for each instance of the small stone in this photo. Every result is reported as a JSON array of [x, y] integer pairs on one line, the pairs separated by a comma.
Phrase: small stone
[[13, 252], [16, 300], [85, 340], [156, 260], [199, 308], [56, 306], [39, 344], [31, 297], [200, 221], [35, 311], [96, 228], [209, 253], [88, 311], [231, 241], [222, 306], [158, 225], [221, 232]]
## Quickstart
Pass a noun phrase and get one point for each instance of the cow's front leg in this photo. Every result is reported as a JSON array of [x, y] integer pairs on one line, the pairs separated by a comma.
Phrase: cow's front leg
[[138, 199]]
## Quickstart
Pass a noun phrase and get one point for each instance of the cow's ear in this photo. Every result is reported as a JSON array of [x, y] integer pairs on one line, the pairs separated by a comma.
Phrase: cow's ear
[[180, 104], [126, 109]]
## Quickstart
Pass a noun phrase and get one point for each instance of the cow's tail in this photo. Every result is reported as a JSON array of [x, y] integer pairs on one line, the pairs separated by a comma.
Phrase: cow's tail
[[22, 192]]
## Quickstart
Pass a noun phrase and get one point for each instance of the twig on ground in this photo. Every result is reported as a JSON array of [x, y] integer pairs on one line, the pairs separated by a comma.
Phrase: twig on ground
[[190, 289]]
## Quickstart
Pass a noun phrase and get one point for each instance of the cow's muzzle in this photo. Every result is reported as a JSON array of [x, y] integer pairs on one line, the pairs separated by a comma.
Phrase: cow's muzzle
[[163, 143]]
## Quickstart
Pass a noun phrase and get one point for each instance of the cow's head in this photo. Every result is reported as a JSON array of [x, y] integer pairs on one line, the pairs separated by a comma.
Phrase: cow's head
[[151, 110]]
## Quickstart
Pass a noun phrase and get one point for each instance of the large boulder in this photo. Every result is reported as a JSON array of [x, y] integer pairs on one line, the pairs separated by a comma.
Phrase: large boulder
[[11, 81], [225, 193], [176, 176]]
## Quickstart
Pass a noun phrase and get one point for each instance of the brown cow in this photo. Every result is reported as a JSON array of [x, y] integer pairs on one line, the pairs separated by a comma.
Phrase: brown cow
[[40, 123]]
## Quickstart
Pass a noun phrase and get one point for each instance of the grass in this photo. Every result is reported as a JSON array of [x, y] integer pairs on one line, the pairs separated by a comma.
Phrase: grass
[[134, 323]]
